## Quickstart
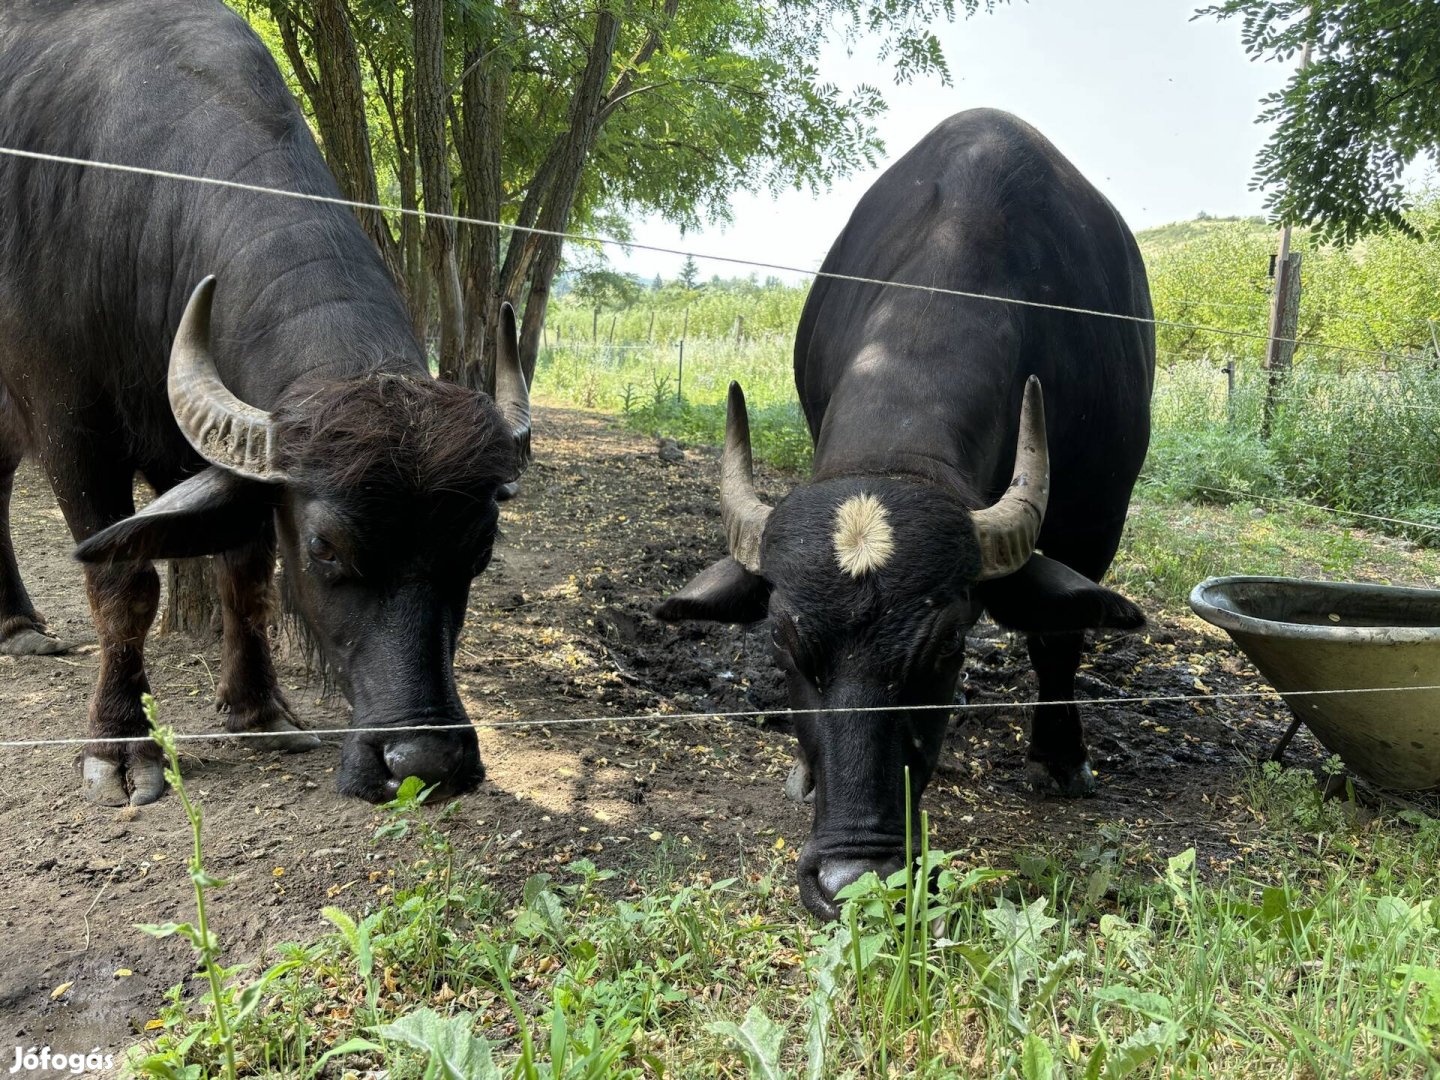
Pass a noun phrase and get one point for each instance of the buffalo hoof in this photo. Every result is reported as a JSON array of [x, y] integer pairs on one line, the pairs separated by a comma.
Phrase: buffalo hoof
[[29, 641], [135, 782], [270, 727], [1072, 781], [800, 784]]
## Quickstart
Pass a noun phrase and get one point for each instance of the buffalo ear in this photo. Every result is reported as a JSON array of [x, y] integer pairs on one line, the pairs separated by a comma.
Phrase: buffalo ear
[[723, 592], [1047, 597], [214, 510]]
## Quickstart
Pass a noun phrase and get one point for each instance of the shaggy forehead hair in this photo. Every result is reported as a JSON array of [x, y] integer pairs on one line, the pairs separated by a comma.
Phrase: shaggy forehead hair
[[863, 539], [932, 554], [384, 437]]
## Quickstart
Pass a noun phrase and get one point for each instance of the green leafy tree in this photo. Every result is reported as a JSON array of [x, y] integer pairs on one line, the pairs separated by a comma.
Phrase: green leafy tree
[[599, 286], [689, 273], [1347, 124], [558, 116]]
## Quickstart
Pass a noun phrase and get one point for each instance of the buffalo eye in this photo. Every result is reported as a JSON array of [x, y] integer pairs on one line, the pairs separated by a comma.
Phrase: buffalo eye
[[322, 551], [952, 643]]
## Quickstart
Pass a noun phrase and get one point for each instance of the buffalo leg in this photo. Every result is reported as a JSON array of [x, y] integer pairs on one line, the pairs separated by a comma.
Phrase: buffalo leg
[[123, 598], [22, 633], [249, 694], [123, 601], [1057, 738]]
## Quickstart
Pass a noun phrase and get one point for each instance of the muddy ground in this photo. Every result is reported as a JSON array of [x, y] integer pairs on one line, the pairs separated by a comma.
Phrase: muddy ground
[[558, 630]]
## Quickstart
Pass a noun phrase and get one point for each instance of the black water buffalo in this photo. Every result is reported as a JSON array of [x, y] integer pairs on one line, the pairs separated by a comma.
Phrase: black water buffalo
[[933, 483], [294, 407]]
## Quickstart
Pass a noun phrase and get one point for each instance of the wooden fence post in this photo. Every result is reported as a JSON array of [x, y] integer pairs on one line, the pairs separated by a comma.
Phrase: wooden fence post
[[680, 371], [1284, 322]]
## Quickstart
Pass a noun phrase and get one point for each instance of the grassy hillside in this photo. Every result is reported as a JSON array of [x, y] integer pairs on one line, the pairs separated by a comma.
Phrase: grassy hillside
[[1164, 238]]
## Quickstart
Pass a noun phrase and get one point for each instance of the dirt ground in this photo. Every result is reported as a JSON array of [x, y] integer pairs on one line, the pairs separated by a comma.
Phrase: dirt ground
[[559, 629]]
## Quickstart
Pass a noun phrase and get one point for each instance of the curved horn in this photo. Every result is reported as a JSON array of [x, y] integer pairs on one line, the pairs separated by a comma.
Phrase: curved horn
[[1008, 530], [222, 428], [511, 393], [740, 508]]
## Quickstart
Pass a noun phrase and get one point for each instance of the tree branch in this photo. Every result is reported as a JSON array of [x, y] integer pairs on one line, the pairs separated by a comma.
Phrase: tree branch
[[647, 49]]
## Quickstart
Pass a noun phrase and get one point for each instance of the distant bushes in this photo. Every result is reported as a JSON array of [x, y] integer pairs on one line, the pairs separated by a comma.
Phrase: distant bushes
[[713, 311], [1209, 466], [1365, 441], [1355, 427]]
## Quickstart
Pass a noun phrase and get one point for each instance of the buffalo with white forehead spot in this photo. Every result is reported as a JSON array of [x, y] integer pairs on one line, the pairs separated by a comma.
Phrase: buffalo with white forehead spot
[[932, 499]]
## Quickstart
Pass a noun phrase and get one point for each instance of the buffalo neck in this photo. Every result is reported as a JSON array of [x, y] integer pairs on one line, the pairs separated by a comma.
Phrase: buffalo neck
[[300, 287], [327, 316], [891, 412], [301, 293]]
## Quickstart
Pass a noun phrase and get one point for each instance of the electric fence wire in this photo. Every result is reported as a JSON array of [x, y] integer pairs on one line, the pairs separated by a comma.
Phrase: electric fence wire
[[635, 720], [460, 219]]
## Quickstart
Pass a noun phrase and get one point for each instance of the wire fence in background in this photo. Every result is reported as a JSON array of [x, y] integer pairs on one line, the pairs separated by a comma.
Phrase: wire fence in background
[[630, 245]]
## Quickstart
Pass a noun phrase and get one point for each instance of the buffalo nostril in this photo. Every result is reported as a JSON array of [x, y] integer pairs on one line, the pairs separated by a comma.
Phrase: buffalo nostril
[[430, 763], [835, 874]]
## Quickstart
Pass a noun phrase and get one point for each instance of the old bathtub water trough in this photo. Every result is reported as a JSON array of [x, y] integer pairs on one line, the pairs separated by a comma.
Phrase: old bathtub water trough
[[1358, 664]]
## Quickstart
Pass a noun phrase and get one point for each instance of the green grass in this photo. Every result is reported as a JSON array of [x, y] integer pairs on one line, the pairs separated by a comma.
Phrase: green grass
[[1360, 441], [1315, 955], [1171, 545], [1321, 957], [646, 388]]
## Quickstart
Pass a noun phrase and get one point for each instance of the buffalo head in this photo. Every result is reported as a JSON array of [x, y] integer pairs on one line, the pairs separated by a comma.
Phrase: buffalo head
[[382, 489], [870, 585]]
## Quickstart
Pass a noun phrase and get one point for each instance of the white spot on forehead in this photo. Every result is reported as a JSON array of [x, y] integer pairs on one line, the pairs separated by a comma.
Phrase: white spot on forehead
[[863, 538]]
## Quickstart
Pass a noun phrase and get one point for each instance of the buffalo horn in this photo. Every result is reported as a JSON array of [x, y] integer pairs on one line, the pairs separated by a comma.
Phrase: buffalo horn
[[1008, 530], [740, 508], [223, 429], [511, 393]]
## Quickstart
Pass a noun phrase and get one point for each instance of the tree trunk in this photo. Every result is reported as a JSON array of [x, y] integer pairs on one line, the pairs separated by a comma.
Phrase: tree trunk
[[192, 605], [520, 254], [478, 139], [574, 146], [417, 280], [395, 90], [336, 92], [433, 152]]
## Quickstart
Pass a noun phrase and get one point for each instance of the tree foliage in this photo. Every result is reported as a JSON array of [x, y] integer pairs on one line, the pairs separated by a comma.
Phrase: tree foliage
[[1371, 303], [563, 117], [1351, 120]]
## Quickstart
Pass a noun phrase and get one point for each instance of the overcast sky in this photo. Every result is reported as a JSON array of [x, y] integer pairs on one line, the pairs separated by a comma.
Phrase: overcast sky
[[1158, 111]]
